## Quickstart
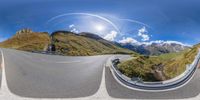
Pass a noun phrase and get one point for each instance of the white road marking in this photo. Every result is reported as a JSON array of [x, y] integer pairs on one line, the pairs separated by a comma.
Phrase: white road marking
[[102, 92]]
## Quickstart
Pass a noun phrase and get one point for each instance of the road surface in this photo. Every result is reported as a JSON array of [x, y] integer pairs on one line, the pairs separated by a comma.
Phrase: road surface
[[35, 75], [48, 76], [115, 90]]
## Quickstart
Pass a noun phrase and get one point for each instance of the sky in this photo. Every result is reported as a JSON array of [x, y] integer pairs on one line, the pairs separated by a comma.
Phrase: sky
[[124, 21]]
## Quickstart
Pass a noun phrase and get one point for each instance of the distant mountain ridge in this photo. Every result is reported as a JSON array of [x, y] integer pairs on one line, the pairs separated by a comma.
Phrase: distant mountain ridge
[[155, 48]]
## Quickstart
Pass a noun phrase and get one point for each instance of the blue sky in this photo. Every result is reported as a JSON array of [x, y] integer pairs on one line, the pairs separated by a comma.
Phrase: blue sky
[[136, 20]]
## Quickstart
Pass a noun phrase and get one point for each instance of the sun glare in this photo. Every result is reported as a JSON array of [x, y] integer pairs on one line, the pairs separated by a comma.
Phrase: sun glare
[[99, 27]]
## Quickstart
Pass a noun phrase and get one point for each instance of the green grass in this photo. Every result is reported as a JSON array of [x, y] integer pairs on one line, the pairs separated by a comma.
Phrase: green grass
[[76, 45], [170, 55], [140, 66], [27, 41], [171, 65], [177, 65]]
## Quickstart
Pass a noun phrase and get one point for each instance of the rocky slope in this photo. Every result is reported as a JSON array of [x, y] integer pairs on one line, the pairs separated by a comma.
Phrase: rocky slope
[[27, 40], [69, 43]]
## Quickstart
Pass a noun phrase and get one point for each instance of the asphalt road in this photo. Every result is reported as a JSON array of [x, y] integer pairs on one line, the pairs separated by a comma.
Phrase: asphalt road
[[47, 76], [115, 90], [50, 76]]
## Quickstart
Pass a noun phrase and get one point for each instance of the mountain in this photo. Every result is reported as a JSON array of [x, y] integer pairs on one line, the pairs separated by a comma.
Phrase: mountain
[[64, 42], [177, 65], [82, 44], [90, 35], [27, 40], [155, 48], [159, 68]]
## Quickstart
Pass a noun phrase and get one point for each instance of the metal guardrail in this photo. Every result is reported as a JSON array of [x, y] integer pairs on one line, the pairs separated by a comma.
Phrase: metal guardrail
[[177, 81]]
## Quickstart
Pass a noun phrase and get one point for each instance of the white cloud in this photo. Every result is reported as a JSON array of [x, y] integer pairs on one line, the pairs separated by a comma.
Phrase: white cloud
[[128, 40], [177, 42], [111, 36], [143, 33], [73, 28], [161, 42]]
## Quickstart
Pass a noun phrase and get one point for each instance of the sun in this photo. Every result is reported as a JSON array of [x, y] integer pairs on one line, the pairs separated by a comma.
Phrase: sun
[[99, 27]]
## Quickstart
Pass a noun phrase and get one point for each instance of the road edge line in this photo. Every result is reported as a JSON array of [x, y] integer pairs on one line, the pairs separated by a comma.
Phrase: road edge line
[[4, 85]]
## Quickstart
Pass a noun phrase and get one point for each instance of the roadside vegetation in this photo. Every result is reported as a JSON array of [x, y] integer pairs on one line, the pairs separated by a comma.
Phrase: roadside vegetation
[[158, 68]]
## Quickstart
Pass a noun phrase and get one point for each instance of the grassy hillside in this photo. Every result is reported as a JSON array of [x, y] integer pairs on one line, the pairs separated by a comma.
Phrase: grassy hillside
[[68, 43], [177, 65], [27, 40], [141, 66], [168, 56], [157, 68]]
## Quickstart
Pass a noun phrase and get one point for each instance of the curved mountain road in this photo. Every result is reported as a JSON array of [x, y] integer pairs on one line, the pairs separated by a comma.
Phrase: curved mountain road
[[28, 75], [33, 75]]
